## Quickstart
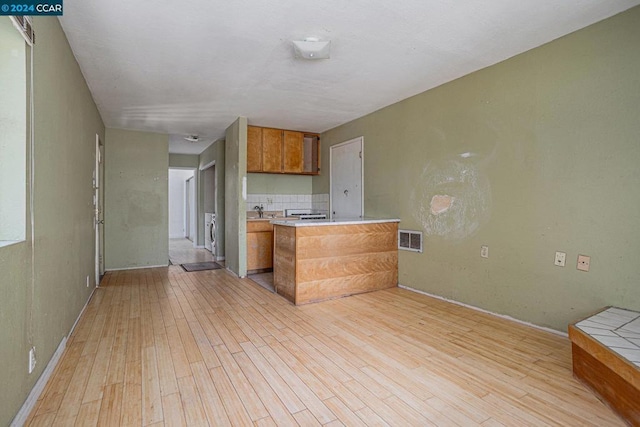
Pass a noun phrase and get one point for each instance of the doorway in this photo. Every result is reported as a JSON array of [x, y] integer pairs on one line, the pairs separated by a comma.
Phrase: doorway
[[346, 176], [183, 247]]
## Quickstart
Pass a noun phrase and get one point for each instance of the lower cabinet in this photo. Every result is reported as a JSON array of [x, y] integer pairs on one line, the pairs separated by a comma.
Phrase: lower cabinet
[[259, 245]]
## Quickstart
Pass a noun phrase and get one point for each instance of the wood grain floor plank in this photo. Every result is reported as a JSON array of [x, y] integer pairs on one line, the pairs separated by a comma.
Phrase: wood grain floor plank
[[191, 403], [111, 406], [236, 411], [213, 406], [243, 387]]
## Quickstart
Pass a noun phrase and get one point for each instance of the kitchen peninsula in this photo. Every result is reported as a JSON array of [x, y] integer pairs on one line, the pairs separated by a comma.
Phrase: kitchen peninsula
[[317, 260]]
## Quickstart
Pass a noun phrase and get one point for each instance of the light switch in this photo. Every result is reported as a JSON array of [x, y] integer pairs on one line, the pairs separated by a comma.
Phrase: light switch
[[561, 258]]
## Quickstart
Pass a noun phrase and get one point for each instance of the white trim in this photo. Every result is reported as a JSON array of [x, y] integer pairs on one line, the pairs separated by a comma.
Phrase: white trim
[[137, 268], [219, 258], [198, 246], [502, 316], [361, 139], [32, 399], [38, 388], [208, 165]]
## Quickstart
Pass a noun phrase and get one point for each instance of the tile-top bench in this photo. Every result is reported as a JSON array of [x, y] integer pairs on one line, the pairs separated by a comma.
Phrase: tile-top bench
[[606, 356]]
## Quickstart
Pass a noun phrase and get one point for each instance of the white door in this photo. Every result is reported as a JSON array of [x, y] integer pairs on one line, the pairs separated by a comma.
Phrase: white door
[[346, 176], [98, 211]]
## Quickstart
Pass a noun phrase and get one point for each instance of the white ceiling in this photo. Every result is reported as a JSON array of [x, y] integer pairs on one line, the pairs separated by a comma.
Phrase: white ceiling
[[193, 67]]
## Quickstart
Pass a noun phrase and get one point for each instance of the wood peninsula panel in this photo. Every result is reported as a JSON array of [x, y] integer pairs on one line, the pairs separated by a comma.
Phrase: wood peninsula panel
[[610, 376], [292, 152], [284, 262], [271, 150], [333, 261], [254, 149]]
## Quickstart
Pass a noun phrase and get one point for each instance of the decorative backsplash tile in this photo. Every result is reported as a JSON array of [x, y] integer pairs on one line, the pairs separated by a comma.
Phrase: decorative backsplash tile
[[320, 203], [280, 202]]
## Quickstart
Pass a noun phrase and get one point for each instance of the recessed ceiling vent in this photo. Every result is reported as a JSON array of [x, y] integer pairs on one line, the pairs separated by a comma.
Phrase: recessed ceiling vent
[[192, 138], [410, 240]]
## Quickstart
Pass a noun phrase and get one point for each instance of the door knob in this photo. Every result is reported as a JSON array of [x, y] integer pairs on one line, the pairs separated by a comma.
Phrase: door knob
[[346, 193]]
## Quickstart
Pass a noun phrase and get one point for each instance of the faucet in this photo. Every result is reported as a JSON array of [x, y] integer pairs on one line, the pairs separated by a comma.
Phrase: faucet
[[259, 209]]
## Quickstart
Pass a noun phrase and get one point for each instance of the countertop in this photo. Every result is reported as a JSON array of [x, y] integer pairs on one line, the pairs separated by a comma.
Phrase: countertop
[[334, 221], [266, 219]]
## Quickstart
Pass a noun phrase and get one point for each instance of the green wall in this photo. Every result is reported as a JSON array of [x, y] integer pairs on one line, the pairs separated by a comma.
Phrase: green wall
[[235, 203], [265, 183], [183, 161], [540, 154], [214, 153], [136, 197], [43, 281]]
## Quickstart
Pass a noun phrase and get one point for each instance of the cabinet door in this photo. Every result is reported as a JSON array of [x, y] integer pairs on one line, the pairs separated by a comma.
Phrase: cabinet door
[[293, 161], [259, 250], [311, 151], [271, 150], [254, 149]]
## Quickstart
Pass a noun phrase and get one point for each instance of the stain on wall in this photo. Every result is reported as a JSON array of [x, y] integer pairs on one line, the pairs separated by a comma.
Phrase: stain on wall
[[451, 198]]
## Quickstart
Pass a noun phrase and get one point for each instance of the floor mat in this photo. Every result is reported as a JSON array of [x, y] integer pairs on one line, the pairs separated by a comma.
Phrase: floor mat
[[200, 266]]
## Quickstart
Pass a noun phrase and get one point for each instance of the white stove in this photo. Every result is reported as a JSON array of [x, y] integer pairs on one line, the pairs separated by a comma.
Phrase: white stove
[[304, 214]]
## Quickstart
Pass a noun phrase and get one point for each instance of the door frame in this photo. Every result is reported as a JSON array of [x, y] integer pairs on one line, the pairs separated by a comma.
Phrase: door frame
[[203, 168], [98, 222], [359, 139]]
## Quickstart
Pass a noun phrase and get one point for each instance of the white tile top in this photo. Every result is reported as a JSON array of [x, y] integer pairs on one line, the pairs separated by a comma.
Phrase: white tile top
[[618, 329], [334, 221]]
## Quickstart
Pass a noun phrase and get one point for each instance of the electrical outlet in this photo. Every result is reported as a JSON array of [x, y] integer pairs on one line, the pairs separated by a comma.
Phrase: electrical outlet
[[583, 262], [32, 359], [561, 258], [269, 201], [484, 251], [87, 281]]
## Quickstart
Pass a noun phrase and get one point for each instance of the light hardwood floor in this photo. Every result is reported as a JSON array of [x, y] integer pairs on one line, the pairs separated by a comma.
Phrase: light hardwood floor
[[166, 347]]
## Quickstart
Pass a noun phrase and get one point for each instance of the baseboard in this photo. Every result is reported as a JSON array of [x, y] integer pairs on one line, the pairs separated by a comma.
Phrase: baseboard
[[38, 388], [198, 246], [502, 316], [32, 399], [137, 268], [219, 258]]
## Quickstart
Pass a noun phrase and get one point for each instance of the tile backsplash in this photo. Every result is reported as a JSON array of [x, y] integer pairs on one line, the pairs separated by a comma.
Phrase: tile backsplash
[[280, 202]]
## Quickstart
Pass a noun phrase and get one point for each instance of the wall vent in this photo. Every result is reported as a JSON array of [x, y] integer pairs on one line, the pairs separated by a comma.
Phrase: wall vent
[[410, 240], [24, 25]]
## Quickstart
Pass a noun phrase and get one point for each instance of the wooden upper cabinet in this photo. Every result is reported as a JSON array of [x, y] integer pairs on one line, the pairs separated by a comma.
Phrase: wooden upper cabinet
[[271, 150], [292, 152], [254, 149], [282, 151]]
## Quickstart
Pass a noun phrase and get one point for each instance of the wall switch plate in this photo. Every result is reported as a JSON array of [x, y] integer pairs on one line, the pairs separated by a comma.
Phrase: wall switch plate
[[561, 258], [32, 359], [583, 262], [87, 281], [484, 251]]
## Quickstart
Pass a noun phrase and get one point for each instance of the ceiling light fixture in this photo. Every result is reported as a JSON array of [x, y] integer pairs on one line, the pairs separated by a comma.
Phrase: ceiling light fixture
[[312, 48], [192, 138]]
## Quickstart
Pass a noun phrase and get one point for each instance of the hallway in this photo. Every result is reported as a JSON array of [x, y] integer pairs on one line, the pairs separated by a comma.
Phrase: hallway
[[181, 251]]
